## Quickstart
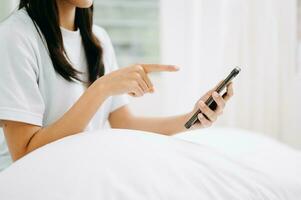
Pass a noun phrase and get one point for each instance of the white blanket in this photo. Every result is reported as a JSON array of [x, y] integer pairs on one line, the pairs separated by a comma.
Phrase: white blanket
[[129, 165]]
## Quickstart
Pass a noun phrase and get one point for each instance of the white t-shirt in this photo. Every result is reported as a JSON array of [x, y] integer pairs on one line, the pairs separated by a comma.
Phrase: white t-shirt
[[30, 89]]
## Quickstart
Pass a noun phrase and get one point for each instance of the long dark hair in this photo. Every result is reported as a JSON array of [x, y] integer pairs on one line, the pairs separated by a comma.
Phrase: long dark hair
[[45, 16]]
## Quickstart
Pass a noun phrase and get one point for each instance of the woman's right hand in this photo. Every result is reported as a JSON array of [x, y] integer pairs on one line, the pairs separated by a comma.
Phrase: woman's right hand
[[133, 80]]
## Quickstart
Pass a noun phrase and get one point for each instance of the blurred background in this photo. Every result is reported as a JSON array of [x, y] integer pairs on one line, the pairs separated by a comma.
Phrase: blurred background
[[207, 38]]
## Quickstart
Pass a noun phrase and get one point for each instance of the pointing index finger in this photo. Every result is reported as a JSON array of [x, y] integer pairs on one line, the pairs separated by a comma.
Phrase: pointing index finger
[[148, 68]]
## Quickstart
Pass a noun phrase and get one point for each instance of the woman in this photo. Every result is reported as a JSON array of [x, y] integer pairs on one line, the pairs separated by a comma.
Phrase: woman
[[59, 77]]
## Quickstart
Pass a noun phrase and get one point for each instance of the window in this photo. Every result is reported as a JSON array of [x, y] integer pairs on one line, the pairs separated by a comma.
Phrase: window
[[133, 26]]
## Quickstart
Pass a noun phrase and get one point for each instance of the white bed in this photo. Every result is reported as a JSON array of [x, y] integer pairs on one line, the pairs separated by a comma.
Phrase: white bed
[[218, 164]]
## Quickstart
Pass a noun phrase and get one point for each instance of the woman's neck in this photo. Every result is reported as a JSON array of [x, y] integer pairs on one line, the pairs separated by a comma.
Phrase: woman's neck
[[67, 15]]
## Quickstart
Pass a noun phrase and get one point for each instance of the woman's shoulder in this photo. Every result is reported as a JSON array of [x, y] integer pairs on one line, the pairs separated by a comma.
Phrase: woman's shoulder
[[99, 31], [18, 26], [108, 49], [104, 39], [102, 36]]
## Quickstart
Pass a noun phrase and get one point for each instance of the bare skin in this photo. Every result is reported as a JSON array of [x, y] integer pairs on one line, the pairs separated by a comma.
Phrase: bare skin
[[133, 80]]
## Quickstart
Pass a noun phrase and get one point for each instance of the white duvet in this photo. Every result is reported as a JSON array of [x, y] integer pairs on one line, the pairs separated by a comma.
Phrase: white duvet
[[217, 164]]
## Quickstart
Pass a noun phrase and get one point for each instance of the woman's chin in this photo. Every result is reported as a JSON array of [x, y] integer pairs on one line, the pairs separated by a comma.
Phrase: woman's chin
[[81, 3], [85, 5]]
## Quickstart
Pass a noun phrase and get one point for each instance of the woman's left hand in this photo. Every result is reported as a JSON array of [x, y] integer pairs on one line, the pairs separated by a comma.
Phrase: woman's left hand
[[207, 117]]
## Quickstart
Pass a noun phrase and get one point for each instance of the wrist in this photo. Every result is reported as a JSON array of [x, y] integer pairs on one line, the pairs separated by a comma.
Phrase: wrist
[[188, 115], [184, 119], [102, 88]]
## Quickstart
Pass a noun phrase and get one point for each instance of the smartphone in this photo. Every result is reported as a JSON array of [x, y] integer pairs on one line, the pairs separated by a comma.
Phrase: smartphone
[[210, 101]]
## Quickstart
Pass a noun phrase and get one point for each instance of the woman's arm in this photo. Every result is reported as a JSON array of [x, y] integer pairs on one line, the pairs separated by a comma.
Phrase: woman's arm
[[23, 138], [123, 118]]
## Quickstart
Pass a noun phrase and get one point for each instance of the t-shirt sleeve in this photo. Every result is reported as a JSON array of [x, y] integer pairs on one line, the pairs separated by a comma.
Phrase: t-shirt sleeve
[[20, 97], [112, 65]]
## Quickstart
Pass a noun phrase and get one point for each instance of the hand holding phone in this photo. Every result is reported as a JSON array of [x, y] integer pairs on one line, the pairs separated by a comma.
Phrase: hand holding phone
[[210, 101]]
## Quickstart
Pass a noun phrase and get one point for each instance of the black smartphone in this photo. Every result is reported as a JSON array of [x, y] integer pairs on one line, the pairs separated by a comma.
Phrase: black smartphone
[[210, 101]]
